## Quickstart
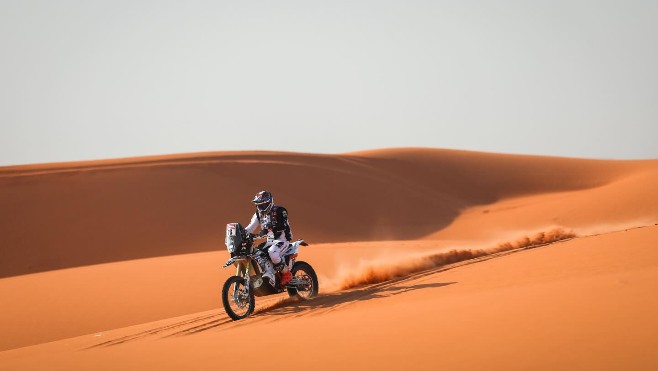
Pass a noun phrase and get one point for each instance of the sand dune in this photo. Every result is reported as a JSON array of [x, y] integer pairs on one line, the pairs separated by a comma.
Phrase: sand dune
[[93, 247], [572, 305], [104, 211]]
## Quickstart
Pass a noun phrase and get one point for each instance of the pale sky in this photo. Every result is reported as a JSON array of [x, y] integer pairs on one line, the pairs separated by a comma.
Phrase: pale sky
[[104, 79]]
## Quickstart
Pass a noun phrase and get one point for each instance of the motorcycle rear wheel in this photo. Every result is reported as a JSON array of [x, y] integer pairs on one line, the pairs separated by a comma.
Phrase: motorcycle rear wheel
[[303, 271], [238, 303]]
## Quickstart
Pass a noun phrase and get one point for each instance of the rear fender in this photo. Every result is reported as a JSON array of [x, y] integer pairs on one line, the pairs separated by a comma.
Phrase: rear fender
[[294, 247]]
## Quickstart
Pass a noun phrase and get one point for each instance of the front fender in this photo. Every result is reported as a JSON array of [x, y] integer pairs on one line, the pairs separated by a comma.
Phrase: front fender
[[234, 260]]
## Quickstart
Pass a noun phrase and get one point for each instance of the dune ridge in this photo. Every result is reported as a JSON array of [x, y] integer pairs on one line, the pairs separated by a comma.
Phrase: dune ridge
[[93, 247], [116, 210]]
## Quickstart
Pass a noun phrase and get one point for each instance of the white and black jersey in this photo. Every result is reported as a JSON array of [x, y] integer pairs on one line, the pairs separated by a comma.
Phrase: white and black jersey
[[275, 222]]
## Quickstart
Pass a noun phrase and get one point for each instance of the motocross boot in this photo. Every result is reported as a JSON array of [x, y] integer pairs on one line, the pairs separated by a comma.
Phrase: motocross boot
[[286, 276]]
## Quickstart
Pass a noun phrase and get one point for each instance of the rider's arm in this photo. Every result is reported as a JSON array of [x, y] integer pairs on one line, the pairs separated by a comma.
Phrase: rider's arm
[[253, 224], [283, 217]]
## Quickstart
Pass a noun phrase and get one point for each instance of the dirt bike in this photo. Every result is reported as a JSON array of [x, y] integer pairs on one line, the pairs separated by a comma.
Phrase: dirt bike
[[239, 291]]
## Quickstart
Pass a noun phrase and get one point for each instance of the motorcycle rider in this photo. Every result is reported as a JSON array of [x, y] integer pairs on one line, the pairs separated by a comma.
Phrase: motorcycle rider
[[273, 221]]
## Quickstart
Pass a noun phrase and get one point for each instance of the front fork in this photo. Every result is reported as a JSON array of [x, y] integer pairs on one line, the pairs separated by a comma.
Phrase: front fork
[[243, 271]]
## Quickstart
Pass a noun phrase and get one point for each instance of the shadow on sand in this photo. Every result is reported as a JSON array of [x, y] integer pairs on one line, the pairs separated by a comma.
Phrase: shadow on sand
[[297, 307], [332, 301], [290, 307]]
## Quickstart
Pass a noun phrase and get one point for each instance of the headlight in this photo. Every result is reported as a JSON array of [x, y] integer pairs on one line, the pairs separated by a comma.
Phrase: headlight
[[230, 244]]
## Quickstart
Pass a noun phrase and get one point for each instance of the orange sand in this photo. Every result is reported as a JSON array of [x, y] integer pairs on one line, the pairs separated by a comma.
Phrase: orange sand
[[91, 248]]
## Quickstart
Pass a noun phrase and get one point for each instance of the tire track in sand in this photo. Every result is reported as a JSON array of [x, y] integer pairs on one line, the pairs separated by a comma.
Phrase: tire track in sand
[[274, 308]]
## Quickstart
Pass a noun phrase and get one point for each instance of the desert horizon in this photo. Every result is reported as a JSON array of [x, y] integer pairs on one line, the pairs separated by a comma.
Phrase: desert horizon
[[533, 262], [441, 185]]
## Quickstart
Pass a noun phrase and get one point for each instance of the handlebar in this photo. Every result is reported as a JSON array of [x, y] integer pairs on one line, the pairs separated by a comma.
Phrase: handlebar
[[255, 236]]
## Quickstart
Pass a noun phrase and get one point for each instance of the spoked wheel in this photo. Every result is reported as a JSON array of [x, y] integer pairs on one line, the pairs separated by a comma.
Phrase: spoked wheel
[[304, 280], [239, 302]]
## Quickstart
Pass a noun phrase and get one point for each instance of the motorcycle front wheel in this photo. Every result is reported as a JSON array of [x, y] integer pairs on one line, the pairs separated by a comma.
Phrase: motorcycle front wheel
[[307, 281], [238, 300]]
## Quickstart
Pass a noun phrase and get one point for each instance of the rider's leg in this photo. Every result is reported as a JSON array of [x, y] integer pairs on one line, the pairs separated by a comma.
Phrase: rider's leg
[[268, 270], [275, 254], [279, 264]]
